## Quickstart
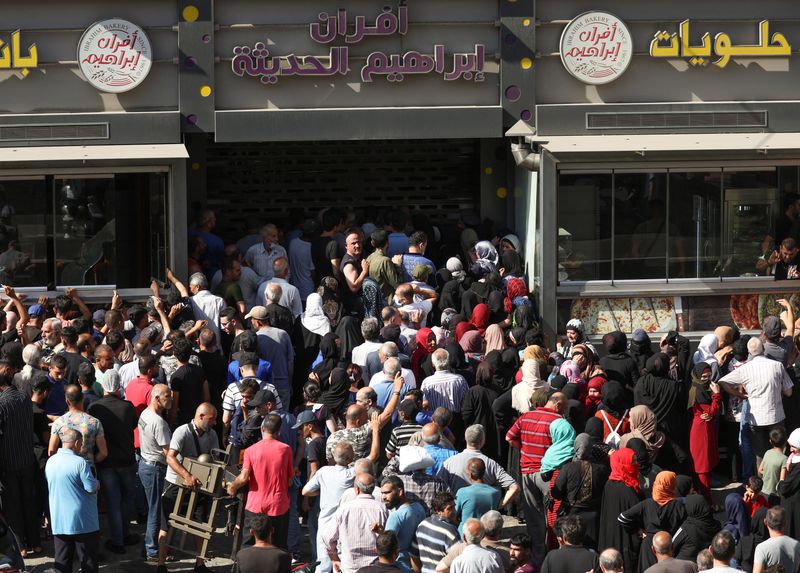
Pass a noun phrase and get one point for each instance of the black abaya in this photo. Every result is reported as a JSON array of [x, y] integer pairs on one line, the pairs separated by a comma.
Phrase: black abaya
[[789, 490], [617, 498], [650, 517], [477, 409]]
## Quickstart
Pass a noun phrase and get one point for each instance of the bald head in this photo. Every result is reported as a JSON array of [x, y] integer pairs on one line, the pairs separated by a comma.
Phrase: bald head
[[557, 402], [157, 392], [364, 466], [430, 433], [355, 413], [364, 483], [662, 544], [205, 416], [473, 531]]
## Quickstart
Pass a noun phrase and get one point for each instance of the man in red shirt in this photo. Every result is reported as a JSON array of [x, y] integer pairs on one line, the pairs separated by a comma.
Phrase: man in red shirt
[[138, 390], [531, 434], [267, 471]]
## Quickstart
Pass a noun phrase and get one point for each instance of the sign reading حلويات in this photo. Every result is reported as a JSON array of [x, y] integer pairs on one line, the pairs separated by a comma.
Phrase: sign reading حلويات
[[596, 47], [114, 55], [678, 45], [256, 61]]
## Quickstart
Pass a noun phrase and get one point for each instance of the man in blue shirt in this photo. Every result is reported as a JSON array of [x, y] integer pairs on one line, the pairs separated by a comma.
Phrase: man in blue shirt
[[404, 518], [73, 506]]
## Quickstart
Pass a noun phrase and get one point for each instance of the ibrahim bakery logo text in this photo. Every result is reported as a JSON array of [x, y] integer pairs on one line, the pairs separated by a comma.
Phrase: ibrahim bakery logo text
[[114, 55], [596, 47]]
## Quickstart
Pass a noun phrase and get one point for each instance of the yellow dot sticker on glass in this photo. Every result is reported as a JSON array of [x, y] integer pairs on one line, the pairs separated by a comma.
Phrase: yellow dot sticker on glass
[[191, 13], [526, 63], [488, 171], [205, 91], [526, 22], [502, 192]]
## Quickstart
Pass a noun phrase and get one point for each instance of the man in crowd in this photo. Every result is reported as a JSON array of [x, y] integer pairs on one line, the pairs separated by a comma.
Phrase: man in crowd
[[290, 296], [723, 548], [370, 330], [263, 556], [435, 535], [417, 311], [444, 388], [475, 558], [278, 315], [73, 506], [665, 562], [417, 244], [520, 554], [76, 419], [350, 539], [274, 346], [779, 549], [381, 268], [268, 472], [330, 483], [228, 289], [571, 555], [260, 257], [387, 548], [405, 516]]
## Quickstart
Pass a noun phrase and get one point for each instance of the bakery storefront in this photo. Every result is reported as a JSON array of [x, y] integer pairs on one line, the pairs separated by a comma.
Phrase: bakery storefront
[[92, 164], [667, 150]]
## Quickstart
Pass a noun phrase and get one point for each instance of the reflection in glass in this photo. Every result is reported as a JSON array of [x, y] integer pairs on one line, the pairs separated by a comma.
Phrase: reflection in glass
[[752, 221], [23, 232], [695, 223], [640, 241], [84, 230], [584, 221]]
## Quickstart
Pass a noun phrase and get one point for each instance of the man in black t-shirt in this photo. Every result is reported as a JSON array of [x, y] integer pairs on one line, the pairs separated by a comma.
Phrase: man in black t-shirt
[[189, 385], [325, 250], [388, 550], [69, 337], [263, 557]]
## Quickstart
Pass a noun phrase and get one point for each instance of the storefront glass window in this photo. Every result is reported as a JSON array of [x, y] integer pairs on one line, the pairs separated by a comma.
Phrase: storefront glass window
[[694, 215], [584, 221], [672, 224], [83, 230], [641, 229]]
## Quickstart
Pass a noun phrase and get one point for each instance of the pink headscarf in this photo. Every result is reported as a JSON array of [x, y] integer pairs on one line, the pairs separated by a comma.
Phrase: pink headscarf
[[494, 339], [572, 372]]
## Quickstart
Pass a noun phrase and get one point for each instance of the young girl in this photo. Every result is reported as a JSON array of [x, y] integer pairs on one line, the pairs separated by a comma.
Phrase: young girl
[[705, 403]]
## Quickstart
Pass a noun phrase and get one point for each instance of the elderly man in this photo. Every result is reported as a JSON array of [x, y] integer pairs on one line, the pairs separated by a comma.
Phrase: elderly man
[[73, 506], [370, 330], [290, 297], [268, 471], [763, 382], [350, 538], [205, 306], [76, 419], [610, 560], [384, 388], [444, 388], [492, 524], [474, 558], [454, 470], [278, 315], [330, 483], [261, 256], [117, 472], [431, 438], [665, 562], [376, 359]]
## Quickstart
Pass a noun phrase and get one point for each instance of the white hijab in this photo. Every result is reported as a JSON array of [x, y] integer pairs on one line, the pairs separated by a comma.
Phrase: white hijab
[[706, 349], [314, 318]]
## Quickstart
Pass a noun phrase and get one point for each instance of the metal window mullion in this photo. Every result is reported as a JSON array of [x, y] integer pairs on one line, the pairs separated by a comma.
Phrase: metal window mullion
[[613, 254]]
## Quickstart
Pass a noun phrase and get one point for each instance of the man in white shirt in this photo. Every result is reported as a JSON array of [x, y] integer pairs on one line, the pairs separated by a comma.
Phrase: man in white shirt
[[476, 559], [417, 311], [779, 548], [205, 305], [763, 382], [261, 256], [370, 329], [290, 296]]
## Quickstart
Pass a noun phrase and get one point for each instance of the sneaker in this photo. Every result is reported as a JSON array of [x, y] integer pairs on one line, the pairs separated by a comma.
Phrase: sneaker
[[132, 539], [118, 549]]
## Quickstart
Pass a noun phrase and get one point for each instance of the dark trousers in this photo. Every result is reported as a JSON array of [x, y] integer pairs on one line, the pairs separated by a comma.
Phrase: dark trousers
[[85, 544], [759, 438], [280, 529], [20, 504]]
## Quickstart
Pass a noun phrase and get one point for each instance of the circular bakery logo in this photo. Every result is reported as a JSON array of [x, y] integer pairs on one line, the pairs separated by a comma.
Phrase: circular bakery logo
[[596, 47], [114, 55]]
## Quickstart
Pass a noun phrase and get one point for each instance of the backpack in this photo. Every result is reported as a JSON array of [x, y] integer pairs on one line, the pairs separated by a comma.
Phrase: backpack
[[613, 439]]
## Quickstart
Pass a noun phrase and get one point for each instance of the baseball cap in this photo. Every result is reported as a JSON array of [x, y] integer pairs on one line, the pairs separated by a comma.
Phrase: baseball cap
[[262, 397], [304, 417], [36, 310], [257, 312]]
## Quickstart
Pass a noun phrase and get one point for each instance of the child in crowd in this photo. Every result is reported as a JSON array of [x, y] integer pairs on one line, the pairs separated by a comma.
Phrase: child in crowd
[[774, 459], [753, 499]]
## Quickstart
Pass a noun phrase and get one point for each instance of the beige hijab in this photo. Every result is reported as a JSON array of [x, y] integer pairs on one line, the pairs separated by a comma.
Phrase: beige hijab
[[521, 393]]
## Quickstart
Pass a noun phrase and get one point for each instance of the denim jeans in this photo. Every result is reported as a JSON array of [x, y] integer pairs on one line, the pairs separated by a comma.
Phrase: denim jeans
[[140, 500], [152, 477], [118, 486]]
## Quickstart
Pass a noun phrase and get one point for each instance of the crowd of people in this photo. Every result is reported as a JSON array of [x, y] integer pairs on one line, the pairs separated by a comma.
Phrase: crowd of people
[[390, 399]]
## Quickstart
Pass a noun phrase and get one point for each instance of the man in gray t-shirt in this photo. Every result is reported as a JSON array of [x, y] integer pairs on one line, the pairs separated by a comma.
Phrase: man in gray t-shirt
[[779, 548], [154, 439]]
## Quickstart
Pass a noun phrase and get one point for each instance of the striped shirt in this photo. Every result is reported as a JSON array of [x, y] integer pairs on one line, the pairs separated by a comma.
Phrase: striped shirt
[[233, 395], [444, 389], [400, 436], [422, 487], [532, 429], [434, 537], [351, 531], [764, 380]]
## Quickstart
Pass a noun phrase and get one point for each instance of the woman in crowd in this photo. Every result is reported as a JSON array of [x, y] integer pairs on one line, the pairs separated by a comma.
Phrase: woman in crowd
[[477, 408], [706, 405], [557, 455], [697, 530], [620, 493]]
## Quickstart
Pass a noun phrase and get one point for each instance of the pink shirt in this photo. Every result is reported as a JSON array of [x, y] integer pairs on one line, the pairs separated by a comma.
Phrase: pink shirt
[[271, 469]]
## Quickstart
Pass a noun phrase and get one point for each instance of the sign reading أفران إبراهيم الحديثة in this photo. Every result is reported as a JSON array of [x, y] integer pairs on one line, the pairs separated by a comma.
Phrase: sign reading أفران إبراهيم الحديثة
[[256, 61], [114, 55]]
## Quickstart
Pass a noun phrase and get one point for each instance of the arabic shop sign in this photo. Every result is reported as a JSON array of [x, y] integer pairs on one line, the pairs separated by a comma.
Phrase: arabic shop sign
[[256, 61], [14, 60], [596, 48], [114, 55], [679, 45]]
